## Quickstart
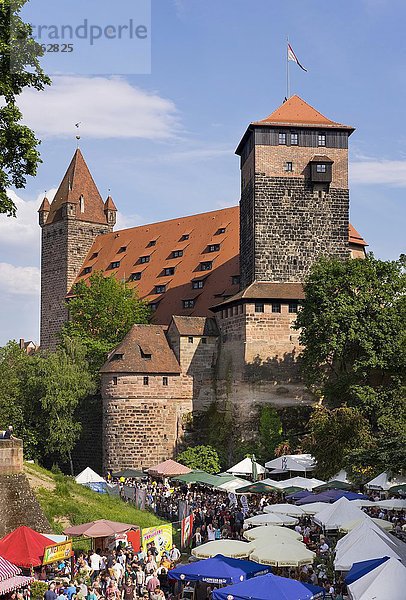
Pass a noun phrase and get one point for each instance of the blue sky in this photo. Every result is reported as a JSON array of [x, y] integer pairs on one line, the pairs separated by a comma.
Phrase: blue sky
[[164, 142]]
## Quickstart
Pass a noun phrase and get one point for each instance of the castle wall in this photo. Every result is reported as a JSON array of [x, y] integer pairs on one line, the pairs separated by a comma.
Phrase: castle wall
[[142, 424]]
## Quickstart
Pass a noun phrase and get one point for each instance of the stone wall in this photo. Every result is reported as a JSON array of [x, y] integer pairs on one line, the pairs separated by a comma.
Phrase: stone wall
[[11, 456], [143, 424]]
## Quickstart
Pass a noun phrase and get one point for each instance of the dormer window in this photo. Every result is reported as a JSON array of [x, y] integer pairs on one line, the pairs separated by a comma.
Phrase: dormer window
[[177, 253], [115, 264], [220, 230], [188, 303], [288, 167], [321, 168], [235, 280], [213, 248], [122, 249], [117, 356], [146, 355], [152, 243], [153, 306], [206, 265], [169, 271], [82, 204], [160, 289], [198, 284], [135, 276], [87, 270], [321, 139], [184, 237], [144, 259], [94, 255]]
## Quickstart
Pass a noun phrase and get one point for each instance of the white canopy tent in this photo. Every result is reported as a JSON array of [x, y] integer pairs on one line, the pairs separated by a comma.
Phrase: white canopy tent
[[333, 516], [341, 476], [385, 525], [89, 476], [388, 581], [302, 482], [244, 467], [233, 484], [284, 509], [292, 462], [264, 532], [383, 482], [361, 531], [313, 508], [270, 519], [392, 504]]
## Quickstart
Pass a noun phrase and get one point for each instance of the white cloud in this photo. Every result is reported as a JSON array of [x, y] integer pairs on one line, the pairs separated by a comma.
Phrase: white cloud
[[372, 172], [106, 107], [127, 221], [19, 281]]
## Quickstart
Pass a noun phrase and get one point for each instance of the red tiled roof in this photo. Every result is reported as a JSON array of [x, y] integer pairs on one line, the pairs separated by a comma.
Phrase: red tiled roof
[[296, 111], [355, 237], [78, 182], [45, 206], [195, 325], [109, 204], [127, 246]]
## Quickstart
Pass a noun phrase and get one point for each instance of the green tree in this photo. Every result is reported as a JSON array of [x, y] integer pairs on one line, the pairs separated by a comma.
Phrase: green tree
[[270, 432], [204, 458], [19, 69], [102, 313], [353, 329]]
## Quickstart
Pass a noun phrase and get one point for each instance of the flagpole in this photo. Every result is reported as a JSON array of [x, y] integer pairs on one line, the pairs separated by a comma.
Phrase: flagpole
[[287, 69]]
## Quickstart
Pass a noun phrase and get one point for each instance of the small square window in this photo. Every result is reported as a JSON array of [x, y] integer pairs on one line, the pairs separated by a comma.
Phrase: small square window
[[145, 355], [144, 259], [169, 271], [198, 284], [87, 270], [282, 138], [146, 380], [220, 230], [185, 237], [293, 307], [321, 139], [321, 168], [160, 289], [164, 381], [235, 279], [177, 253], [135, 276], [115, 380], [259, 307], [204, 340], [294, 139], [214, 248], [115, 264], [190, 339], [122, 249], [206, 266], [276, 307], [289, 166], [152, 243], [188, 303]]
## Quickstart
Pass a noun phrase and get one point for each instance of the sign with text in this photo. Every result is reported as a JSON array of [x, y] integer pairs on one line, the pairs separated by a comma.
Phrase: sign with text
[[57, 552], [161, 536]]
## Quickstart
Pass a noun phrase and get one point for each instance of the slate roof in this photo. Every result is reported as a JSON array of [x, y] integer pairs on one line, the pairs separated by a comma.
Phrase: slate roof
[[197, 326], [266, 291]]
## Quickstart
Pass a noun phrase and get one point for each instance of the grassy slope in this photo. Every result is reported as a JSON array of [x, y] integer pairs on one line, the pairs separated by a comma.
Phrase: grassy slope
[[66, 503]]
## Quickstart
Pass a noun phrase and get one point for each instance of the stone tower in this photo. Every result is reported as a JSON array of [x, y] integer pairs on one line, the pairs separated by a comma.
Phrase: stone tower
[[69, 225], [294, 193]]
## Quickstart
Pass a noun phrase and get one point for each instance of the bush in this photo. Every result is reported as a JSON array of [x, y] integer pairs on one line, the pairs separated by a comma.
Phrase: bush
[[204, 458], [38, 589]]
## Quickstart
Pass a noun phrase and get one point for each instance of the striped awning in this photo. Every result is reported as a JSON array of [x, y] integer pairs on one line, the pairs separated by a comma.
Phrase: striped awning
[[14, 583], [7, 569]]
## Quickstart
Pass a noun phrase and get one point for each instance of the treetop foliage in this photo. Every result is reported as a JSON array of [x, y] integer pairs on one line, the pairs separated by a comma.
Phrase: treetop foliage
[[203, 458]]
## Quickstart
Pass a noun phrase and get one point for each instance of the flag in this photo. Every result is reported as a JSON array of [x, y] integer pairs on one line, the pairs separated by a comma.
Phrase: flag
[[292, 56], [186, 531]]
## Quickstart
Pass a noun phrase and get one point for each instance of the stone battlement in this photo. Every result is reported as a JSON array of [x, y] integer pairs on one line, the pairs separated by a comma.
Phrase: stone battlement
[[11, 456]]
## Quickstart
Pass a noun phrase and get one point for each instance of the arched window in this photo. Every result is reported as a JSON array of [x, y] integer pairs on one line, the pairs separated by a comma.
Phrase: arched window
[[82, 204]]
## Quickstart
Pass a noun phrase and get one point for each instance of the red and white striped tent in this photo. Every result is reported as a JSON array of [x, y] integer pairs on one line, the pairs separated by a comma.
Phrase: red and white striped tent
[[11, 578]]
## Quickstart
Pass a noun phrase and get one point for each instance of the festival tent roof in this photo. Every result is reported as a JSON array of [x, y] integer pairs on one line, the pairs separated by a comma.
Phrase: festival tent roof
[[231, 548], [11, 578], [7, 570], [285, 509], [244, 467], [292, 462], [129, 474], [303, 482], [361, 503], [359, 532], [364, 547], [259, 487], [333, 516], [359, 569], [298, 494], [269, 587], [168, 468], [232, 485], [283, 553], [385, 525], [392, 504], [395, 489], [336, 494], [341, 476], [192, 477], [381, 482], [313, 508], [100, 528], [334, 484], [270, 519], [89, 476], [325, 498], [24, 547], [221, 570], [264, 532], [388, 580]]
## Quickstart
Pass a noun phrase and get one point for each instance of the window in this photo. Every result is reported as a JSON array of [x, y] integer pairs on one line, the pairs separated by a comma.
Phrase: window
[[160, 289], [144, 259], [294, 139], [145, 355], [117, 356], [87, 270], [214, 248], [235, 279], [259, 307], [289, 166], [115, 264], [177, 253], [152, 243], [94, 255], [164, 381], [321, 139], [282, 138], [190, 339], [188, 303], [122, 249], [276, 307], [220, 230], [321, 168], [206, 266], [198, 284], [184, 237], [293, 306], [169, 271], [146, 380], [153, 306], [135, 276], [115, 380], [81, 203], [204, 340]]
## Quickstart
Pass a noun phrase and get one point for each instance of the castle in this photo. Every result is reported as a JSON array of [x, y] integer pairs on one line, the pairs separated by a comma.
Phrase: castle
[[224, 287]]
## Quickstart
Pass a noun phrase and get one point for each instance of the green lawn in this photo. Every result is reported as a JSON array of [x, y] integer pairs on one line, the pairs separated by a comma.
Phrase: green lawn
[[66, 503]]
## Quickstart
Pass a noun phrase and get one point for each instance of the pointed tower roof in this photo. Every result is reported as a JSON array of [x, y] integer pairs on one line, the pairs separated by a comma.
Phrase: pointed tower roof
[[78, 182], [45, 206], [296, 111], [109, 204]]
